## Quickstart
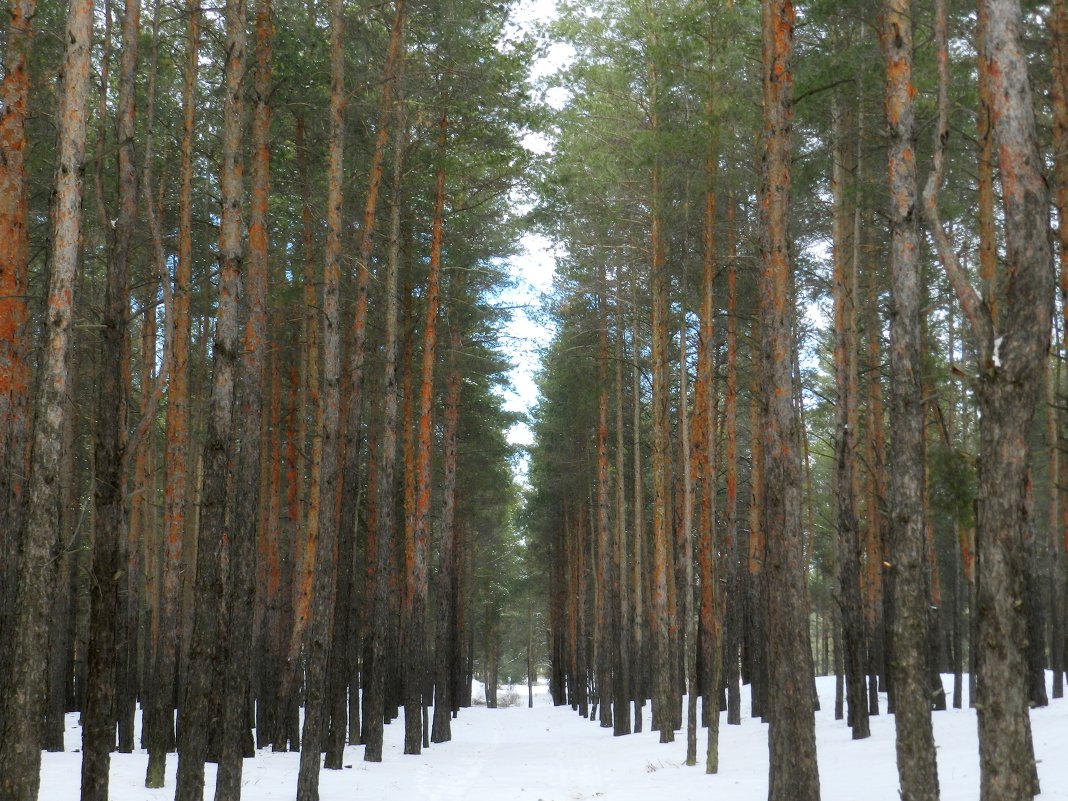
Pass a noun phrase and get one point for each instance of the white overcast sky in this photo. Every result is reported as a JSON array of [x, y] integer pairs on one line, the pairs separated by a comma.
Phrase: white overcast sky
[[534, 265]]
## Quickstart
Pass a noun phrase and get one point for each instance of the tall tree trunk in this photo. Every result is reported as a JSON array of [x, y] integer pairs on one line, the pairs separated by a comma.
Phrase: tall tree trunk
[[15, 419], [638, 573], [875, 492], [711, 606], [663, 689], [606, 595], [152, 386], [307, 458], [688, 627], [22, 702], [374, 680], [448, 574], [756, 597], [160, 722], [144, 524], [1058, 24], [731, 542], [328, 432], [388, 446], [417, 550], [917, 770], [236, 736], [207, 652], [333, 665], [791, 733], [111, 521], [269, 563], [848, 550], [1013, 358], [622, 612], [63, 622], [988, 256]]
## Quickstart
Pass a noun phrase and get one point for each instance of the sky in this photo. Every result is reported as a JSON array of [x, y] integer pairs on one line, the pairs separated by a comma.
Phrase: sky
[[533, 266]]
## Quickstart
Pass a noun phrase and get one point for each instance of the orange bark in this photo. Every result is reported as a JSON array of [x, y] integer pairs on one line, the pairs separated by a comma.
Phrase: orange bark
[[988, 257], [207, 648], [160, 737], [606, 667], [791, 739], [22, 703], [416, 552], [709, 610], [14, 279], [307, 546], [660, 595], [1058, 23]]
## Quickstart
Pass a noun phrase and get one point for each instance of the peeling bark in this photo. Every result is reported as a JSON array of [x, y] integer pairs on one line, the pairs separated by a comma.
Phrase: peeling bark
[[791, 732], [917, 770]]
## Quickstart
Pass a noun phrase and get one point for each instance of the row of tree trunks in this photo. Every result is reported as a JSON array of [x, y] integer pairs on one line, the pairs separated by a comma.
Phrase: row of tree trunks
[[106, 667], [200, 711], [326, 433], [373, 669], [417, 547], [159, 720], [663, 690], [244, 537], [25, 649], [145, 633], [897, 590]]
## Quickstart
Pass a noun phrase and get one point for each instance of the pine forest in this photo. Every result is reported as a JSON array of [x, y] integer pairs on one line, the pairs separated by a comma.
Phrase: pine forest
[[368, 369]]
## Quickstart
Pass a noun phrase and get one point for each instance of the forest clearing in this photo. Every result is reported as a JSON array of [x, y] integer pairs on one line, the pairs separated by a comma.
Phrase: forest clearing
[[686, 354]]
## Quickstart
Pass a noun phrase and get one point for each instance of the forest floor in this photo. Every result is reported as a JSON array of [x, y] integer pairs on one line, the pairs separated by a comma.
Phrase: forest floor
[[551, 754]]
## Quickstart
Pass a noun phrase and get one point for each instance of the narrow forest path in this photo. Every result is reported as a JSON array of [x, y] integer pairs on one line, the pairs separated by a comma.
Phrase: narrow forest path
[[551, 754]]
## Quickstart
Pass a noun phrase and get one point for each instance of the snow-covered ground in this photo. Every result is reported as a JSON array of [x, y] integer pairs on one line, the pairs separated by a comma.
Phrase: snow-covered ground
[[551, 754]]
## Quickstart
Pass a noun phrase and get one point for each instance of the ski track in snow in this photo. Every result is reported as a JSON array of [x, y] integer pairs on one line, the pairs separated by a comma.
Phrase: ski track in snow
[[551, 754]]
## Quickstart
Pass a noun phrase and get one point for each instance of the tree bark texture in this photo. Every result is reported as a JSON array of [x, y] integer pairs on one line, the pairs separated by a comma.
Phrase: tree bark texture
[[22, 702], [607, 597], [327, 431], [373, 678], [448, 572], [159, 734], [917, 771], [417, 550], [791, 735], [625, 655], [15, 422], [111, 519], [245, 510], [1012, 367], [732, 547], [848, 551], [199, 712]]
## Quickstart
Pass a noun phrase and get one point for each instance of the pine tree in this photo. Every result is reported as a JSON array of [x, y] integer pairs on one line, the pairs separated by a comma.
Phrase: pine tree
[[22, 702], [917, 770], [791, 732]]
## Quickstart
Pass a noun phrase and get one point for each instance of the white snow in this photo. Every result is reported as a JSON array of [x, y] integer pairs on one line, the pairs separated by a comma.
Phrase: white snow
[[551, 754], [997, 351]]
